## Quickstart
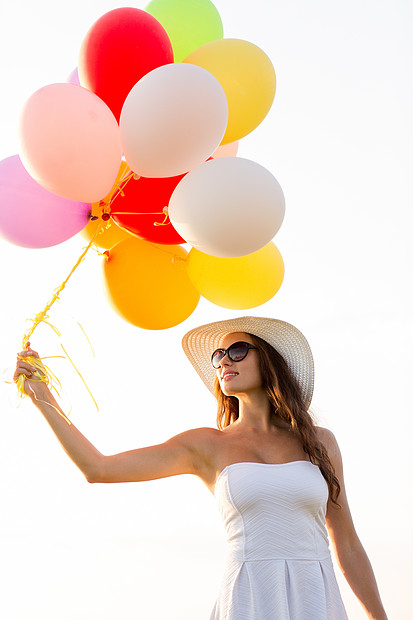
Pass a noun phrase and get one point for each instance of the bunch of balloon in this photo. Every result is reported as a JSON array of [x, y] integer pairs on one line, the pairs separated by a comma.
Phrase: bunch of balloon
[[138, 151], [228, 209]]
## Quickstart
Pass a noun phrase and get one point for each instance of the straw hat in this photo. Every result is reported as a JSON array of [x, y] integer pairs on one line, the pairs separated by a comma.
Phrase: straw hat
[[201, 342]]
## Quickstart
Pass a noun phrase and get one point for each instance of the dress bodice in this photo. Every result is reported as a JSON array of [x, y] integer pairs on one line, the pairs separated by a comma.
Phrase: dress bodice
[[274, 511]]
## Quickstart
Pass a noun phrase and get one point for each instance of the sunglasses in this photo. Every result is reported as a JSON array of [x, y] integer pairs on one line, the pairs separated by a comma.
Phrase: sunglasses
[[236, 352]]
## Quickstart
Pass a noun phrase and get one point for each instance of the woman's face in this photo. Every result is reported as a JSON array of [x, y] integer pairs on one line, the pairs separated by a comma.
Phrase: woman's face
[[239, 377]]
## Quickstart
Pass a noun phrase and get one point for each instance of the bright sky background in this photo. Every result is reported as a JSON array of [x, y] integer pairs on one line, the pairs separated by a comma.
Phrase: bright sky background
[[339, 140]]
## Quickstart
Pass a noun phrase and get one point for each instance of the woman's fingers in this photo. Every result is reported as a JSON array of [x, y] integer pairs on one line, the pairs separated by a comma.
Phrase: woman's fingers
[[22, 371], [24, 368], [28, 353], [25, 365]]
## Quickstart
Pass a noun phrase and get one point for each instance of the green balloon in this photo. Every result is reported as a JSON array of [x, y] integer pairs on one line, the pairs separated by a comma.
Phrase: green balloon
[[189, 23]]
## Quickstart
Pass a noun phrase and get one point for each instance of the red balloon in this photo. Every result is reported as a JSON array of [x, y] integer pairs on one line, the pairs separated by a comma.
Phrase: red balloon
[[120, 48], [142, 199]]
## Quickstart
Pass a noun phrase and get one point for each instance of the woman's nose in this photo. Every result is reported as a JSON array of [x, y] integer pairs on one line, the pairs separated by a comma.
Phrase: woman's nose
[[226, 361]]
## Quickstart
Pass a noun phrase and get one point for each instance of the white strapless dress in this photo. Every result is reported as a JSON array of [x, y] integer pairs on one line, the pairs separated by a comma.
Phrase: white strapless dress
[[278, 565]]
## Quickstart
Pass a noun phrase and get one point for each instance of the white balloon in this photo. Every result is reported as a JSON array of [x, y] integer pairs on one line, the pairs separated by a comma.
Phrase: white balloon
[[172, 120], [227, 207]]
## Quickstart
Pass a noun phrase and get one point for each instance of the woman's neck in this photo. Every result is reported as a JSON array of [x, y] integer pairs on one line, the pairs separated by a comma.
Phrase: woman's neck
[[255, 411]]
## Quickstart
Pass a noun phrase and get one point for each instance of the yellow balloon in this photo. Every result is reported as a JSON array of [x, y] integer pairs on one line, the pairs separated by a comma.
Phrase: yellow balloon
[[237, 283], [111, 233], [248, 78], [148, 284]]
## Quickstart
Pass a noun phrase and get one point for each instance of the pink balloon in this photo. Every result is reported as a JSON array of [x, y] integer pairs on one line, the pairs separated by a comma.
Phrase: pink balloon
[[226, 150], [31, 216], [70, 142]]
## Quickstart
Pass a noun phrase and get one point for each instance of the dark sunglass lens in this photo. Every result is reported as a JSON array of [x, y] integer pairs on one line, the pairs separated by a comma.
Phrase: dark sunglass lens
[[217, 357], [238, 351]]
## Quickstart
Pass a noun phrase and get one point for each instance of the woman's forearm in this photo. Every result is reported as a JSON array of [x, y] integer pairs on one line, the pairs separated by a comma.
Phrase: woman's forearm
[[79, 449], [176, 456], [358, 572]]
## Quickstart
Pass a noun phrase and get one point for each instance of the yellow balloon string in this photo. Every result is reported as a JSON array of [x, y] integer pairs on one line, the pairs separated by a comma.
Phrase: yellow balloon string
[[166, 219], [128, 176], [43, 315], [84, 382], [164, 212], [115, 191], [42, 372]]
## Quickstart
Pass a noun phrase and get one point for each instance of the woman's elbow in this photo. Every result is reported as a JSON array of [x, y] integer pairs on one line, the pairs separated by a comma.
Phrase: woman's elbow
[[91, 479], [96, 472]]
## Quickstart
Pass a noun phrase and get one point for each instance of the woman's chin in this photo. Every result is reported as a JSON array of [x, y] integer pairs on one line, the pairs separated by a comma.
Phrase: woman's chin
[[225, 389], [228, 389]]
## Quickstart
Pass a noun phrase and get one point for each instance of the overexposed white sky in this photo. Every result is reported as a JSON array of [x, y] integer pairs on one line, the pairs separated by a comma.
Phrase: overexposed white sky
[[339, 140]]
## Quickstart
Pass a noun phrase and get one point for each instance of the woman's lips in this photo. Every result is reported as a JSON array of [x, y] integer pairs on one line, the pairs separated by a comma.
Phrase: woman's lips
[[228, 375]]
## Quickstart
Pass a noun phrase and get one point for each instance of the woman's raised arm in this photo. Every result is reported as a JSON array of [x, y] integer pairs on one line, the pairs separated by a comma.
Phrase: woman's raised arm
[[179, 455]]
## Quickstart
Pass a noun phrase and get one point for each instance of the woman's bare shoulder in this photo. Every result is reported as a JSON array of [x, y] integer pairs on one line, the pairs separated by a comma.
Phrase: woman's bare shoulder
[[327, 438], [202, 431], [329, 441], [197, 438]]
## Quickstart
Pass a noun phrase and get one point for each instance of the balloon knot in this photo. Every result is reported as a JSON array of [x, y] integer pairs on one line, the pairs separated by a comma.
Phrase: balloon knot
[[166, 220], [93, 218], [105, 217]]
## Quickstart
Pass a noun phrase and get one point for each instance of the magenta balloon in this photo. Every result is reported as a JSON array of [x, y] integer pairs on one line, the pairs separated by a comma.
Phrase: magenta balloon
[[30, 215], [73, 78]]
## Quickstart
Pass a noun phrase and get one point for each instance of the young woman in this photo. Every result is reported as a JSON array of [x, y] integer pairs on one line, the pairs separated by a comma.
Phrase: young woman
[[276, 477]]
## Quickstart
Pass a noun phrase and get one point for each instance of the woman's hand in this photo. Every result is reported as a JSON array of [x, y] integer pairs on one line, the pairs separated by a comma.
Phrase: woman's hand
[[33, 383]]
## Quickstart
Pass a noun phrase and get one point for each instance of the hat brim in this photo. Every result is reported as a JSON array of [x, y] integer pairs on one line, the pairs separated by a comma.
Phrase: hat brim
[[199, 344]]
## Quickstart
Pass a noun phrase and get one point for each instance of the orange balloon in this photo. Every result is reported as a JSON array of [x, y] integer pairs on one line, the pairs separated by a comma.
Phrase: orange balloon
[[111, 234], [148, 284]]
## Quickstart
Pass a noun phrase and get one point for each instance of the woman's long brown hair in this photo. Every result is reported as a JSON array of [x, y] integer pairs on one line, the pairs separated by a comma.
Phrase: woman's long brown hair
[[287, 404]]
